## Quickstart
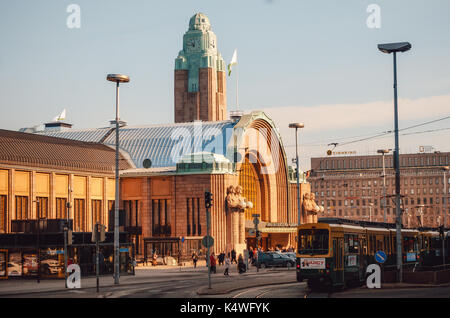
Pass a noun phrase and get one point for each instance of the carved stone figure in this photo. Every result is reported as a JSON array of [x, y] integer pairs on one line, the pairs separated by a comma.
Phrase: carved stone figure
[[231, 200], [311, 208], [236, 204]]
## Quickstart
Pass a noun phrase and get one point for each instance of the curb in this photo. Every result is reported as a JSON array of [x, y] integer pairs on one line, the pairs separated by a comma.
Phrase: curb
[[393, 286]]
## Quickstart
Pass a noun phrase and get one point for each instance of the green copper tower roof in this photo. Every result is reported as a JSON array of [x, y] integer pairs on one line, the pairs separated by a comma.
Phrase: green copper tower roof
[[199, 50], [199, 22]]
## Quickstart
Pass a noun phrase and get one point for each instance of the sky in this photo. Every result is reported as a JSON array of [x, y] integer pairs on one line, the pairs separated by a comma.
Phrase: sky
[[314, 62]]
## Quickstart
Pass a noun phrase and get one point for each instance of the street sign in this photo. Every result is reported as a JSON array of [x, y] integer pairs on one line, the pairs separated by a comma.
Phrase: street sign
[[380, 257], [255, 221], [251, 232], [182, 239], [207, 241]]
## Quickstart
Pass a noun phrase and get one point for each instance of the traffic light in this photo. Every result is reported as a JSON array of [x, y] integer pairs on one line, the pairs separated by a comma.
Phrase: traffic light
[[208, 199], [101, 235], [441, 230]]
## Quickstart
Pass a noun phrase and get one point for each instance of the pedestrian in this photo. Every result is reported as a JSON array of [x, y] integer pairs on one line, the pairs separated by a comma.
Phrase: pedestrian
[[155, 256], [250, 253], [195, 259], [241, 265], [227, 265], [255, 255], [221, 258], [212, 260], [233, 256]]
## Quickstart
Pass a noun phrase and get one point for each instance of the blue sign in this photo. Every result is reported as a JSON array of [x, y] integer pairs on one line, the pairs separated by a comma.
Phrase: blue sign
[[182, 239], [123, 249], [380, 257]]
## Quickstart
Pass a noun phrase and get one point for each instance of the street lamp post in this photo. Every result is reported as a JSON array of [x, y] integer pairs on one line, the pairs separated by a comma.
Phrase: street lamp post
[[117, 78], [370, 211], [384, 152], [297, 126], [394, 48]]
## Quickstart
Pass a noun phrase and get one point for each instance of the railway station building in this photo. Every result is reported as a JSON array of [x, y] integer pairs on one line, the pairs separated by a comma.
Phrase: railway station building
[[239, 160]]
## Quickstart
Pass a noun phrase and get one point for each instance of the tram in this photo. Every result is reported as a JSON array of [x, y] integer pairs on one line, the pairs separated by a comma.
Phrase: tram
[[336, 252]]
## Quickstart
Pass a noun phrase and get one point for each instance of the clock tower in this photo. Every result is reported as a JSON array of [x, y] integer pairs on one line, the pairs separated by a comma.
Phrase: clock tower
[[200, 76]]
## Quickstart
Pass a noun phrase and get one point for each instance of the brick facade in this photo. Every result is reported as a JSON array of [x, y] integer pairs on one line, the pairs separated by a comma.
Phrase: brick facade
[[207, 104], [352, 187]]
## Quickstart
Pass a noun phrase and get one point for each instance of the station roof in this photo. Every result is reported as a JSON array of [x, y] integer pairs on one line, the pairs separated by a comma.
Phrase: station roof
[[165, 145], [26, 149]]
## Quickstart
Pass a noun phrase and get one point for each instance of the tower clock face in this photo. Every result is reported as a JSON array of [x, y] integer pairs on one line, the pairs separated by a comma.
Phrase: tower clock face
[[193, 45]]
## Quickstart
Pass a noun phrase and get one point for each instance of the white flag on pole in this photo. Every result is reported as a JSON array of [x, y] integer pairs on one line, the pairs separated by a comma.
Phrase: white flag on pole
[[233, 61], [61, 116]]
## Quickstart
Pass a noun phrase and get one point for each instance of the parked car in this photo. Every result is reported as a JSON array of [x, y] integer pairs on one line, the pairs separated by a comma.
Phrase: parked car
[[50, 266], [14, 269], [291, 255], [273, 259]]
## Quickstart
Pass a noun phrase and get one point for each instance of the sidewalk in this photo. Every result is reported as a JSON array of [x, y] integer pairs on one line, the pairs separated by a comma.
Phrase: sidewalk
[[409, 285], [144, 275]]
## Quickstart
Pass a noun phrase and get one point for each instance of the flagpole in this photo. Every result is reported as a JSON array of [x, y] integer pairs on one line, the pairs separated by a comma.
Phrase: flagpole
[[237, 87]]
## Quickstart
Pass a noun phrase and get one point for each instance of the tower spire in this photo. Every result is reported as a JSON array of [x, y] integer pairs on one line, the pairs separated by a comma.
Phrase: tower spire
[[200, 79]]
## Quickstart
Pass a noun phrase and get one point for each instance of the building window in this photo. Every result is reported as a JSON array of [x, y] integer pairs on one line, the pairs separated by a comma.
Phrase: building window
[[131, 212], [161, 217], [3, 213], [61, 208], [97, 211], [79, 215], [188, 211], [21, 208], [42, 207]]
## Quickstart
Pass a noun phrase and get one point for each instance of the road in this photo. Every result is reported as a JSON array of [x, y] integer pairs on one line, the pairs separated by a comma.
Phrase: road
[[185, 284], [299, 290], [173, 284]]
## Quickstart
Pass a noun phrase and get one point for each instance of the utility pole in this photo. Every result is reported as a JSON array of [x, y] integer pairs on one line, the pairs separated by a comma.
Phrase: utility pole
[[388, 49], [257, 235], [384, 152], [208, 240], [445, 169], [97, 259], [117, 78], [38, 252], [65, 253]]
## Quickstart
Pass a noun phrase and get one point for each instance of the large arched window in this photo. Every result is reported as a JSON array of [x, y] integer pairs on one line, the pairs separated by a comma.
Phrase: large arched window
[[250, 183]]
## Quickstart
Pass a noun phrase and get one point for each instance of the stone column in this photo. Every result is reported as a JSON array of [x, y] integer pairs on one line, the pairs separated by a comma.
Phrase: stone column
[[241, 227], [235, 231]]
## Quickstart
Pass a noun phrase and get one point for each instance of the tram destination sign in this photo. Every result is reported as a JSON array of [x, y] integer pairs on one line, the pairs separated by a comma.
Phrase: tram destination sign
[[312, 263]]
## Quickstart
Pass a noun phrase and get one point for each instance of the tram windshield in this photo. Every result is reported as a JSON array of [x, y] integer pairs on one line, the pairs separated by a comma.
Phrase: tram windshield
[[312, 241]]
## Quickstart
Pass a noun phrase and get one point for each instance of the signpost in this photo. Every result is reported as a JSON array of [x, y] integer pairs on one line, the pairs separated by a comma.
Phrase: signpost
[[380, 257], [208, 241]]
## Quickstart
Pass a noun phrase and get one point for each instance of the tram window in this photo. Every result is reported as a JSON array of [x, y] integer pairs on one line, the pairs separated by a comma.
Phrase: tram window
[[313, 241], [351, 243], [372, 243], [379, 245], [408, 244]]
